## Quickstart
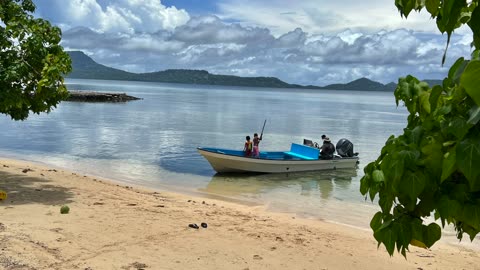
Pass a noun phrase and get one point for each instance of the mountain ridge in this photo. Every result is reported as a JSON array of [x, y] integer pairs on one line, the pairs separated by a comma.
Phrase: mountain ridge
[[84, 67]]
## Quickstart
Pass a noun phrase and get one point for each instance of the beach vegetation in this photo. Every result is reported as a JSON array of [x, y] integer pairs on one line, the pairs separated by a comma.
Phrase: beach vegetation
[[430, 175], [64, 209], [32, 62]]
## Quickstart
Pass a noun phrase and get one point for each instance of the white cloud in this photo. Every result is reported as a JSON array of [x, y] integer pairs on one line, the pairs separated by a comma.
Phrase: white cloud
[[127, 16], [211, 30], [322, 16], [294, 57], [306, 41]]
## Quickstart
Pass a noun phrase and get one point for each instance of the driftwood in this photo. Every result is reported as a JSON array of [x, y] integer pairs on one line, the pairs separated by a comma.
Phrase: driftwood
[[90, 96]]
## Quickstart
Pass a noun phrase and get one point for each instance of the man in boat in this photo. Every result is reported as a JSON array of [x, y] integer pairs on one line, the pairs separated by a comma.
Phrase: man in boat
[[247, 148], [315, 144], [327, 150]]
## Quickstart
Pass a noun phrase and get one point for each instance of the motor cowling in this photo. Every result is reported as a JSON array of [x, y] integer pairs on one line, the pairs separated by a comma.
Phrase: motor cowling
[[345, 148]]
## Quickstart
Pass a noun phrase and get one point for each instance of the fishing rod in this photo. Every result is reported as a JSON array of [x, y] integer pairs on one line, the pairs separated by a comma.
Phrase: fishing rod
[[261, 134]]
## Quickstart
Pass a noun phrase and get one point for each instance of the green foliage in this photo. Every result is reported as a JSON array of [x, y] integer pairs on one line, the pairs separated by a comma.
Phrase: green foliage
[[433, 167], [32, 63], [64, 209]]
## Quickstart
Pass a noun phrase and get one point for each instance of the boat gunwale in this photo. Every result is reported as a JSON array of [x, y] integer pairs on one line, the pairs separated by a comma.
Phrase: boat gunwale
[[279, 160]]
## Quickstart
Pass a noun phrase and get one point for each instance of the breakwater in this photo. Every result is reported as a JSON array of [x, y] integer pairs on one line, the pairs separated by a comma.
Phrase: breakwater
[[91, 96]]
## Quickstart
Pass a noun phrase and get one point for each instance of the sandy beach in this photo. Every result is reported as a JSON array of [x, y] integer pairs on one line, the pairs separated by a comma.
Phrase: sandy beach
[[114, 226]]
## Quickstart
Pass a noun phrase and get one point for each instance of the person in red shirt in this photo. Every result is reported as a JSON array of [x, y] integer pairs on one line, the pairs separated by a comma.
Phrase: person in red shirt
[[247, 149]]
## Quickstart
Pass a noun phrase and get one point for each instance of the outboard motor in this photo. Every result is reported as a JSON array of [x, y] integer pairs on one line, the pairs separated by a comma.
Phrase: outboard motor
[[345, 148]]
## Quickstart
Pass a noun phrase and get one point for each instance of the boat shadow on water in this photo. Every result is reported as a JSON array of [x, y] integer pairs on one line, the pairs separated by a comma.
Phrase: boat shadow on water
[[302, 183]]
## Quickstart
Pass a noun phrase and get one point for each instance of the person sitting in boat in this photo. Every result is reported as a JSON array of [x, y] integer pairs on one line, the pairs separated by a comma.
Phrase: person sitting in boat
[[247, 149], [327, 150], [316, 144], [256, 142]]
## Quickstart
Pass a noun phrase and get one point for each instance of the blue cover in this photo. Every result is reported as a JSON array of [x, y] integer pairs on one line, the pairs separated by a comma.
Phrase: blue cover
[[303, 152]]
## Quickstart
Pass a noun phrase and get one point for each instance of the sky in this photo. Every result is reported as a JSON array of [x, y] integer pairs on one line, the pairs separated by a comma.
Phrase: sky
[[309, 42]]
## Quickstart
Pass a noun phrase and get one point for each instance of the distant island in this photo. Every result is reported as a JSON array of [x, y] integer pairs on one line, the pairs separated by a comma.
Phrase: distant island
[[84, 67]]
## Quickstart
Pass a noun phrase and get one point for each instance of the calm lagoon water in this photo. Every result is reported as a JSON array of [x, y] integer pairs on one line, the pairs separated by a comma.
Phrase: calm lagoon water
[[152, 142]]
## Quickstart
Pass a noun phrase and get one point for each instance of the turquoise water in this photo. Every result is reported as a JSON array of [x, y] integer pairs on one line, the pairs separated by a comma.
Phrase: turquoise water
[[152, 142]]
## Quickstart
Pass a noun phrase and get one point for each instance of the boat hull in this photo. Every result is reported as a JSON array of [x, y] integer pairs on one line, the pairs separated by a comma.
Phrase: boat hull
[[234, 163]]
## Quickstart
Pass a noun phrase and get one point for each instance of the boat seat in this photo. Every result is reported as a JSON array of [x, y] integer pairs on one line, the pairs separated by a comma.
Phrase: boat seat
[[303, 152]]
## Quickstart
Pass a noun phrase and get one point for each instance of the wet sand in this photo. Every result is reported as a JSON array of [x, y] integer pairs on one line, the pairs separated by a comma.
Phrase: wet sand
[[114, 226]]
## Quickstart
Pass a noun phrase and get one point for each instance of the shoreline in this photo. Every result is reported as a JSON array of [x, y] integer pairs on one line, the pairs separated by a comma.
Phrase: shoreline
[[112, 225]]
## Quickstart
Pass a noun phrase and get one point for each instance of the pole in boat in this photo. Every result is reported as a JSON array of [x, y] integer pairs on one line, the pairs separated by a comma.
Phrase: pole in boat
[[261, 134]]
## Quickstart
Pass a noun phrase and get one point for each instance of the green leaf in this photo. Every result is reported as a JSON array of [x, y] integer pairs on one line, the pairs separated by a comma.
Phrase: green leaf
[[364, 184], [427, 203], [417, 133], [470, 80], [432, 6], [476, 54], [403, 91], [378, 176], [474, 24], [413, 184], [468, 161], [424, 101], [434, 95], [446, 109], [458, 127], [404, 233], [474, 114], [447, 21], [470, 231], [376, 221], [373, 191], [457, 69], [433, 158], [393, 169], [417, 243], [388, 237], [449, 143], [409, 157], [449, 163], [448, 208], [385, 201], [471, 216], [405, 6], [417, 233], [431, 234]]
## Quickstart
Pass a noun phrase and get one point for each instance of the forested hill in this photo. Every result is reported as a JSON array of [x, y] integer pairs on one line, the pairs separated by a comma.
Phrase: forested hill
[[362, 84], [84, 67]]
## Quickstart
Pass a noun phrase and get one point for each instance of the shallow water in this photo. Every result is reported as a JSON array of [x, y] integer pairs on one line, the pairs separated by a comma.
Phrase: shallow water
[[152, 142]]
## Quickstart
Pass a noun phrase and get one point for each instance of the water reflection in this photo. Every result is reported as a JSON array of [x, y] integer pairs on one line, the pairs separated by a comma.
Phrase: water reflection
[[324, 184], [153, 141]]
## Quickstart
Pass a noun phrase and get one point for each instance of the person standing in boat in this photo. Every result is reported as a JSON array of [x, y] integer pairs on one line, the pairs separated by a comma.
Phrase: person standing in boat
[[247, 149], [327, 150], [256, 142]]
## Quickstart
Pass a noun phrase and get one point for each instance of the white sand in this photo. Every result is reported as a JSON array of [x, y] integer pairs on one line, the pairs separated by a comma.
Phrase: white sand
[[113, 227]]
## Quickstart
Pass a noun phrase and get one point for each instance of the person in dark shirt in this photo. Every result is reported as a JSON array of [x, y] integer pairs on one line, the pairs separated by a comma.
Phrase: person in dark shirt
[[327, 150]]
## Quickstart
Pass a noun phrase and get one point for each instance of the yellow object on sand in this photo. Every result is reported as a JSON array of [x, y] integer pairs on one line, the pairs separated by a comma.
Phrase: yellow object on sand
[[3, 195]]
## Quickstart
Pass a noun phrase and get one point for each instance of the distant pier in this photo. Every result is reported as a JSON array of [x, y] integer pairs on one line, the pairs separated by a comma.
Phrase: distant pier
[[91, 96]]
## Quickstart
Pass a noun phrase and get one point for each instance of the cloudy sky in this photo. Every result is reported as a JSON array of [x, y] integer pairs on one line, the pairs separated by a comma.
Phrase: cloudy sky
[[303, 41]]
